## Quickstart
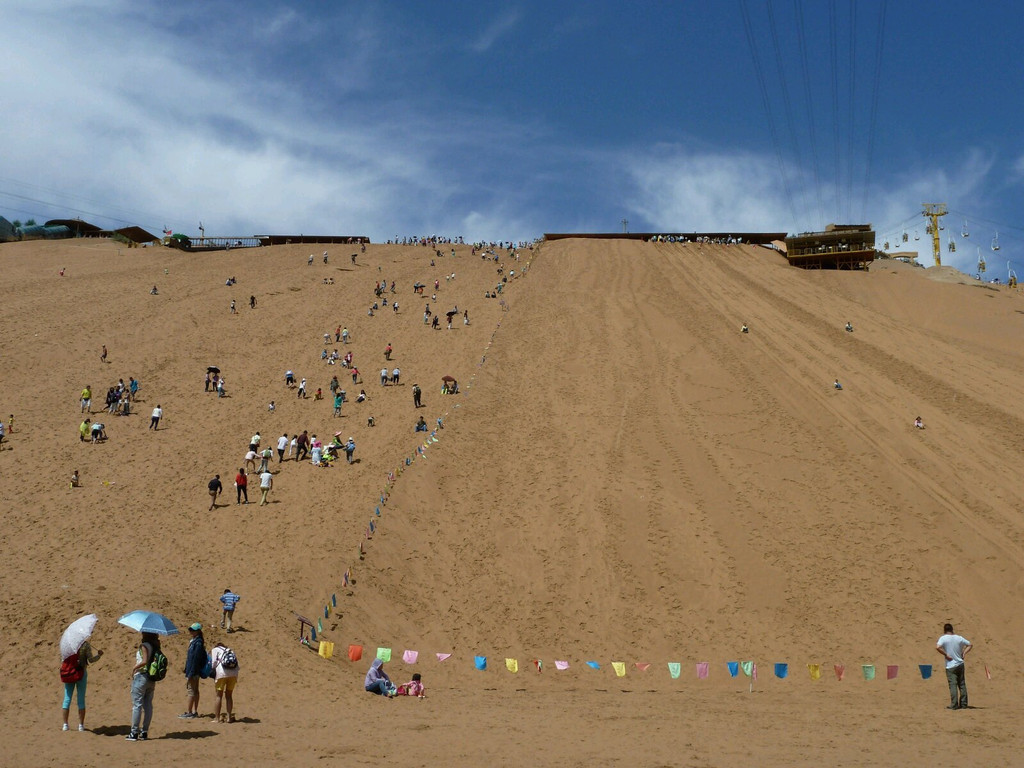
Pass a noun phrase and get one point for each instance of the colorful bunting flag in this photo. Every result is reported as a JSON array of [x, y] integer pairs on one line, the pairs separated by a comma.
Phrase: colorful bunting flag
[[377, 510], [734, 668], [926, 671], [620, 668], [326, 649], [840, 670], [561, 665], [988, 675], [781, 670], [593, 665], [512, 665], [539, 665], [643, 666], [355, 652], [319, 625], [334, 599], [346, 577], [815, 671], [703, 667], [384, 654], [892, 671], [409, 657], [674, 669], [312, 634], [372, 527], [480, 662], [327, 612], [868, 670], [747, 667], [443, 656]]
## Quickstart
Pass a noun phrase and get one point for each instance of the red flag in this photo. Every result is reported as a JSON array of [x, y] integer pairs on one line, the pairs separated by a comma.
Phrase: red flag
[[355, 652], [840, 671]]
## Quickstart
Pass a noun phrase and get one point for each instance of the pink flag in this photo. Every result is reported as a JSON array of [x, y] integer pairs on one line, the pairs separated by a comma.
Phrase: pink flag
[[642, 665], [753, 673], [891, 671], [561, 665], [702, 669], [443, 656], [987, 673], [840, 671], [409, 657]]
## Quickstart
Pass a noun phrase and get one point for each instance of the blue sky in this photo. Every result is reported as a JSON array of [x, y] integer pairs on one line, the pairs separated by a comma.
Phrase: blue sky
[[503, 121]]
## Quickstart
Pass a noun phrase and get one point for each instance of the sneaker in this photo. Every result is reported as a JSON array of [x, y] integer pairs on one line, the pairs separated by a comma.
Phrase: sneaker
[[951, 706], [64, 727], [231, 718], [132, 737], [188, 715], [143, 736], [81, 728]]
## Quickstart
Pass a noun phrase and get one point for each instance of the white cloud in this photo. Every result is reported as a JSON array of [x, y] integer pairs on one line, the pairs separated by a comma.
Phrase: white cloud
[[494, 31]]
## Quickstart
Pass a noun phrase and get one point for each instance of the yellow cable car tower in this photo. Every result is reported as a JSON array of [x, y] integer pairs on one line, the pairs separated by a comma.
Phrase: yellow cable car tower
[[933, 212]]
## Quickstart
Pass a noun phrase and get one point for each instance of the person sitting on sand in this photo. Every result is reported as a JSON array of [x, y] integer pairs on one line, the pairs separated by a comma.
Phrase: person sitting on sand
[[837, 385], [153, 291], [377, 680], [744, 329], [421, 425], [918, 423], [413, 688], [75, 482], [849, 328]]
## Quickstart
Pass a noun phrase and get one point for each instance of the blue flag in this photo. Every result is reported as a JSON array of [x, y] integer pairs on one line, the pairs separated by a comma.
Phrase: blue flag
[[926, 670], [781, 670], [480, 662], [593, 665], [734, 668]]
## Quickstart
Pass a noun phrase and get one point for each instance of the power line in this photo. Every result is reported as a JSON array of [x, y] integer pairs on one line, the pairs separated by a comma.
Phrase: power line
[[802, 45], [752, 44], [873, 120]]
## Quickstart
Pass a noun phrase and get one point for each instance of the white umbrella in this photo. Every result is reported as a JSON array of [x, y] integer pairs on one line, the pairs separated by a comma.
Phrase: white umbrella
[[76, 634]]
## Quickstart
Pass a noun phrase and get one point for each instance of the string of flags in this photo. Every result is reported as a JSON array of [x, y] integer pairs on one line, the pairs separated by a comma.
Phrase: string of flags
[[702, 669]]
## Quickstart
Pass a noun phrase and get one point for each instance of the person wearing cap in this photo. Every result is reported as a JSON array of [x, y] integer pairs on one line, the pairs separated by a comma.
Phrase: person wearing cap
[[195, 661], [350, 448]]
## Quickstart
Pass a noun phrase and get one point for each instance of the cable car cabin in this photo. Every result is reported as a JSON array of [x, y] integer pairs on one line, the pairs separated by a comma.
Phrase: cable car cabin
[[995, 242], [916, 236], [906, 237], [964, 232], [952, 246]]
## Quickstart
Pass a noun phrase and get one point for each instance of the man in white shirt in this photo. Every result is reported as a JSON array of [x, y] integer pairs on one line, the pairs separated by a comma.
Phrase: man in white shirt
[[282, 445], [954, 648], [154, 419]]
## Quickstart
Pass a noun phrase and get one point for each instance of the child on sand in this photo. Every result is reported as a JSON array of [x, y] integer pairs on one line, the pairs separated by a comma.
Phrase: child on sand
[[413, 688], [75, 482], [918, 423]]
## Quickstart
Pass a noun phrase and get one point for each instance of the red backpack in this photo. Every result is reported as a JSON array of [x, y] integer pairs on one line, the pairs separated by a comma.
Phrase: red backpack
[[71, 669]]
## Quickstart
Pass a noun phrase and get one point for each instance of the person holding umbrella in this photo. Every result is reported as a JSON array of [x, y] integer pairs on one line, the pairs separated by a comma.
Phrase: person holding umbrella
[[151, 625], [74, 645]]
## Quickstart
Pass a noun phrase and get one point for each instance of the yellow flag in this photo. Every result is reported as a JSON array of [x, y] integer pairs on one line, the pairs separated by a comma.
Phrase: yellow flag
[[620, 668], [326, 649], [512, 665], [815, 670]]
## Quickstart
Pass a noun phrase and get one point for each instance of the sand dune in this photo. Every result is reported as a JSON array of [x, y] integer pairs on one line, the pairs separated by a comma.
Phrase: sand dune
[[624, 477]]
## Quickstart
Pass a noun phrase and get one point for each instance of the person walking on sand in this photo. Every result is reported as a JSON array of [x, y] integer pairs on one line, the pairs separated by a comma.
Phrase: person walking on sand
[[154, 419], [395, 374], [954, 649], [143, 688], [266, 486], [302, 390], [85, 658], [252, 302], [266, 456], [350, 448], [387, 351], [241, 486], [225, 666], [233, 310], [103, 355], [282, 446], [86, 400], [195, 660], [228, 601], [302, 446], [417, 394], [215, 489]]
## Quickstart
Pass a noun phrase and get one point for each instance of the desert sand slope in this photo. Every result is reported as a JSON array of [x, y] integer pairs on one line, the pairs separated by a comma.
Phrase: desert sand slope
[[624, 477]]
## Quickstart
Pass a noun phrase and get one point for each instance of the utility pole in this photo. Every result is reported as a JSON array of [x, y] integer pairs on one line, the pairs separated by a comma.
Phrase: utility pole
[[933, 212], [625, 226]]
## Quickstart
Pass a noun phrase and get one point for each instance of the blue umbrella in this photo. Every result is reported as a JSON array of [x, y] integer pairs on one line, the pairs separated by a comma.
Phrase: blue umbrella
[[148, 621]]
